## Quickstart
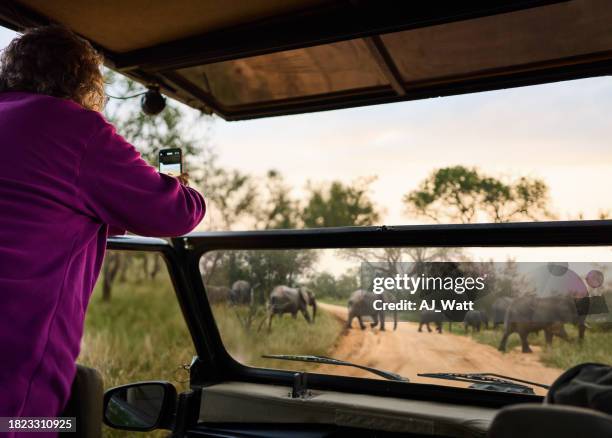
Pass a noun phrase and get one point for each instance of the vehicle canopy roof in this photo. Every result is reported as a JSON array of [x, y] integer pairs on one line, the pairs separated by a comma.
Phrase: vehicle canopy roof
[[247, 59]]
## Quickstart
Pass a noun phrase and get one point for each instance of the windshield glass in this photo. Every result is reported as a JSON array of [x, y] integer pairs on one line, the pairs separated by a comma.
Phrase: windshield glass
[[524, 154], [523, 313]]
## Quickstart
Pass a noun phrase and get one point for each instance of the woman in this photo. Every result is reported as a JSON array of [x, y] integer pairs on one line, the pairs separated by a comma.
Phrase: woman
[[66, 178]]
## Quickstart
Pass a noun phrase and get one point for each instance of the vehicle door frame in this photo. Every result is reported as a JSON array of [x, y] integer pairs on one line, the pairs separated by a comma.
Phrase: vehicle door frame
[[214, 364]]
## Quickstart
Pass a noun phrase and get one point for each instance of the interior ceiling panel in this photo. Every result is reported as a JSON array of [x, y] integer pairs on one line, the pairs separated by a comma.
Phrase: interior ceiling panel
[[124, 25], [342, 66], [562, 31], [258, 58]]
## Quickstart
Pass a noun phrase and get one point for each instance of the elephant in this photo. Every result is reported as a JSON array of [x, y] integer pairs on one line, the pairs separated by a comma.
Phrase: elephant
[[429, 316], [475, 319], [531, 313], [361, 303], [217, 294], [285, 299], [498, 309], [241, 293]]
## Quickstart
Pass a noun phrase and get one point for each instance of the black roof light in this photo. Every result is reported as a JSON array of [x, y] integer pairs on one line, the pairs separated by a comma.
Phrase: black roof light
[[152, 102]]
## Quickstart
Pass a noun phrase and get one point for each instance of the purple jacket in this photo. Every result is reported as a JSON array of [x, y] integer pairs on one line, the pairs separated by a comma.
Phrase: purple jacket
[[66, 176]]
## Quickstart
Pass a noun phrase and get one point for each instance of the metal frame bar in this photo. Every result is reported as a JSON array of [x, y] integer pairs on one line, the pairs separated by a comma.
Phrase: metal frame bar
[[487, 80], [380, 54], [335, 21], [206, 100], [532, 234], [220, 366], [225, 368], [332, 22], [174, 260]]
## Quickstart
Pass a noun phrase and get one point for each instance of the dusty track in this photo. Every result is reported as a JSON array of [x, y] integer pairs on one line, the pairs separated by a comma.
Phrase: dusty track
[[408, 352]]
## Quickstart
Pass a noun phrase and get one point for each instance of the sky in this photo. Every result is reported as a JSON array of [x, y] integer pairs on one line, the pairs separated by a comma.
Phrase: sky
[[559, 132]]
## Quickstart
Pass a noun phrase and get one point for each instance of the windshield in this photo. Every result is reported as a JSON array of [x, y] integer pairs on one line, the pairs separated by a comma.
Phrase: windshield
[[420, 313], [524, 154]]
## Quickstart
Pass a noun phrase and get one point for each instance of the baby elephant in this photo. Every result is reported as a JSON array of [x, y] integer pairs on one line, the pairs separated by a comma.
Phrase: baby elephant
[[217, 294], [285, 299], [475, 319]]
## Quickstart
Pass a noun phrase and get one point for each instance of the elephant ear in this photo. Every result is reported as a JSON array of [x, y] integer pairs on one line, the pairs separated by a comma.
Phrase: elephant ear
[[303, 296]]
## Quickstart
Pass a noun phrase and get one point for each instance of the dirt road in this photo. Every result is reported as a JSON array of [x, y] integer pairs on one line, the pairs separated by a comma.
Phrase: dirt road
[[408, 352]]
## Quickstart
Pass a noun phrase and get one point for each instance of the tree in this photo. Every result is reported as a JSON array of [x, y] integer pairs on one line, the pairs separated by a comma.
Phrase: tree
[[391, 261], [266, 205], [231, 194], [277, 208], [325, 285], [338, 205], [347, 283], [172, 128], [338, 287], [270, 268], [462, 194], [509, 281]]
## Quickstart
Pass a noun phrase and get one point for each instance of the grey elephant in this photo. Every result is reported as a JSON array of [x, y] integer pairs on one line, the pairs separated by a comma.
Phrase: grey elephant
[[217, 294], [241, 293], [498, 310], [431, 316], [285, 299], [475, 319], [361, 303], [531, 313]]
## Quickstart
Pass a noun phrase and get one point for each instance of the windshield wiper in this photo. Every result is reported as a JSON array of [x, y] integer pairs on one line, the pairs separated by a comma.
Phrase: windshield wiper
[[331, 361], [489, 381]]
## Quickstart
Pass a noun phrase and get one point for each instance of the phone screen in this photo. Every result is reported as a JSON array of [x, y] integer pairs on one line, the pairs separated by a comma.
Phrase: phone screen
[[170, 162]]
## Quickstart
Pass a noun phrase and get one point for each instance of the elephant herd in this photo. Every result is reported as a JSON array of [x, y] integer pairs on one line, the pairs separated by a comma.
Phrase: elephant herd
[[474, 319], [522, 315], [282, 299], [241, 292]]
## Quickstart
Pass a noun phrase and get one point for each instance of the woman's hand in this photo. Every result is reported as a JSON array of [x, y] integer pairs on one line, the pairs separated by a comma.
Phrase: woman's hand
[[184, 178]]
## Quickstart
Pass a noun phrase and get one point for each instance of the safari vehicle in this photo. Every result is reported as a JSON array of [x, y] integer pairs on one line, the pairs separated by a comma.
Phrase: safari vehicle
[[245, 60]]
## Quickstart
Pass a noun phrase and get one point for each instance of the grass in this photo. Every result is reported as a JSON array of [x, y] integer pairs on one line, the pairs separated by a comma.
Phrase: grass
[[287, 336], [141, 335], [596, 347]]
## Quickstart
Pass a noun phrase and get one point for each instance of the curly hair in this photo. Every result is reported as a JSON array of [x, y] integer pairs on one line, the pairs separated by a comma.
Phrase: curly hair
[[53, 60]]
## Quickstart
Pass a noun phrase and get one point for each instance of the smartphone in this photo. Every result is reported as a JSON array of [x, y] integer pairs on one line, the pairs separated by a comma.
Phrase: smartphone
[[171, 161]]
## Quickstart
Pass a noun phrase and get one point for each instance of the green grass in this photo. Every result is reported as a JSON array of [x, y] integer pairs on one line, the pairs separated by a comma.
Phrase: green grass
[[141, 335], [596, 347], [287, 336]]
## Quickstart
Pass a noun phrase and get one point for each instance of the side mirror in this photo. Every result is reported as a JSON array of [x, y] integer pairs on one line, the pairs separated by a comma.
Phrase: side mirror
[[140, 406]]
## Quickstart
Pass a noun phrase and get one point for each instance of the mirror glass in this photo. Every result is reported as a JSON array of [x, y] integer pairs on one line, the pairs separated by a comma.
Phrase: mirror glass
[[136, 406]]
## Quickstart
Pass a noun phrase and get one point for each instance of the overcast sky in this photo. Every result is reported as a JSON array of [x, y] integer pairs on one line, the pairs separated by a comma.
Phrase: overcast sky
[[559, 132]]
